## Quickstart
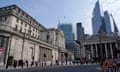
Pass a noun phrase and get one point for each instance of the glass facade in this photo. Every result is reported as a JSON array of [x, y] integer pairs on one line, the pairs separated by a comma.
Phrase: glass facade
[[80, 32], [67, 30], [107, 22], [96, 19], [100, 23]]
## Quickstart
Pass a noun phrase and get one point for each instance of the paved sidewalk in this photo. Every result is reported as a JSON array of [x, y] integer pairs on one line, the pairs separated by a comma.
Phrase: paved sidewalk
[[12, 68]]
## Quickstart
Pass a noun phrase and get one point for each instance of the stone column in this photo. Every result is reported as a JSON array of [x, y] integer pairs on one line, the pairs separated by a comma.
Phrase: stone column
[[106, 51], [84, 53], [96, 50], [92, 51], [111, 50]]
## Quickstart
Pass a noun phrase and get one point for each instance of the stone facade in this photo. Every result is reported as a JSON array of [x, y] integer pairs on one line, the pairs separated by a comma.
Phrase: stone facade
[[100, 46], [23, 38]]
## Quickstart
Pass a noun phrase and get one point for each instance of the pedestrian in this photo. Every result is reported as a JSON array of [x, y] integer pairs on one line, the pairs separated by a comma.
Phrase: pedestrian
[[27, 63], [104, 66], [32, 63], [112, 65], [36, 63], [22, 63], [15, 63]]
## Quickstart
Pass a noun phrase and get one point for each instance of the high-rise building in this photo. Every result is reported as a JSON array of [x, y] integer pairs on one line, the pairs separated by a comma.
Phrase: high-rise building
[[67, 29], [107, 22], [114, 24], [100, 22], [96, 19], [71, 45], [80, 32]]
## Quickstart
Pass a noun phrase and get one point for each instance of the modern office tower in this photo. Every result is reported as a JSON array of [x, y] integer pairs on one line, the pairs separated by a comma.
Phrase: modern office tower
[[96, 19], [67, 29], [100, 22], [74, 47], [73, 35], [80, 32], [107, 22], [71, 45], [114, 24]]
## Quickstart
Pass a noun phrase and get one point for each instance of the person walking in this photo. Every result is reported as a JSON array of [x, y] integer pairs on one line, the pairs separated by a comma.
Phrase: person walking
[[27, 63], [104, 66]]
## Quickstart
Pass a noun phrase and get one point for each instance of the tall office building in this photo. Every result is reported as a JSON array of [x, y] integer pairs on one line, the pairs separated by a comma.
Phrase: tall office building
[[67, 29], [71, 45], [80, 32], [96, 19], [107, 22], [100, 22], [115, 26]]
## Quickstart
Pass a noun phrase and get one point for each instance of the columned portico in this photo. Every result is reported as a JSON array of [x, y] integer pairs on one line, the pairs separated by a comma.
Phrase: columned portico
[[104, 49]]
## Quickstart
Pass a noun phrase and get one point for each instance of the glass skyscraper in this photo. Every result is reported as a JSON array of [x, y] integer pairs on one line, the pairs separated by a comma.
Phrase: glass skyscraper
[[96, 19], [100, 22], [67, 30], [80, 32], [107, 22]]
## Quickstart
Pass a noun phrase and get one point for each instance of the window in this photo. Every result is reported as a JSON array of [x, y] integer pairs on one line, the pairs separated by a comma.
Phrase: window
[[19, 10], [21, 22], [23, 13], [16, 27], [25, 25], [0, 19], [20, 29], [29, 31], [17, 20], [5, 18], [1, 42], [48, 36]]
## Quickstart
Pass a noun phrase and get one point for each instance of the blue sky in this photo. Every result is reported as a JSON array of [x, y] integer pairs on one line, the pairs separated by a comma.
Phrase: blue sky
[[50, 12]]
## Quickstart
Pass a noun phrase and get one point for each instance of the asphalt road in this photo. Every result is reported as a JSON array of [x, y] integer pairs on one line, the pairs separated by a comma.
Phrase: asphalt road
[[80, 68]]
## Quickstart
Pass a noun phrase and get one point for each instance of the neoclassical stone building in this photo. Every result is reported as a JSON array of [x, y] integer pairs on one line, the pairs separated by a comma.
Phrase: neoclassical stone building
[[23, 38], [100, 46]]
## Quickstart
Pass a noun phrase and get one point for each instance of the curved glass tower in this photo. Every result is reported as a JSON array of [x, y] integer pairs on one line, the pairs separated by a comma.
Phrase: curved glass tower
[[96, 19]]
